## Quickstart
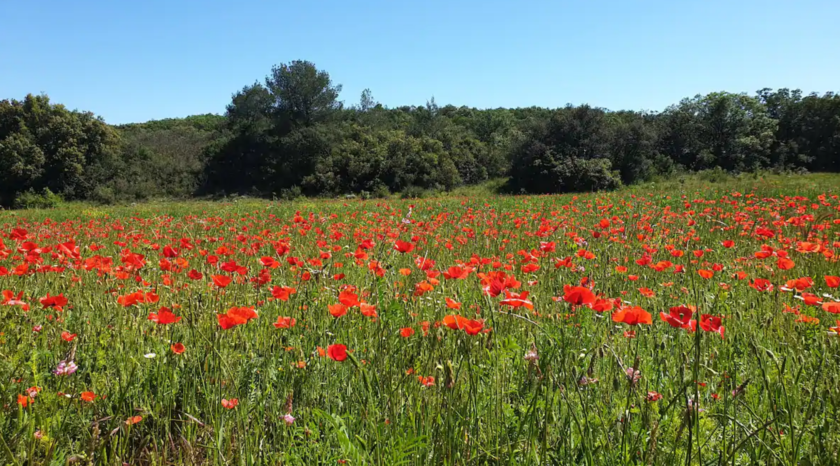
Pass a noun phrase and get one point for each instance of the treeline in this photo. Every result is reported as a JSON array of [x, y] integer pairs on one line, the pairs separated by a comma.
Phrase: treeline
[[290, 135]]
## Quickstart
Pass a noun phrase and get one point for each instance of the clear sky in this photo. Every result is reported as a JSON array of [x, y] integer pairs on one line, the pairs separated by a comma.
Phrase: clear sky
[[131, 61]]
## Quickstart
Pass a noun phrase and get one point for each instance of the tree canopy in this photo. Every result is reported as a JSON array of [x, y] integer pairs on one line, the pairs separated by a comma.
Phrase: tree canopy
[[290, 134]]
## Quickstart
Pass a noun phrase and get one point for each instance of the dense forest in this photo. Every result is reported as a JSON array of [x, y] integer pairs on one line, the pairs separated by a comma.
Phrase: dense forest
[[289, 135]]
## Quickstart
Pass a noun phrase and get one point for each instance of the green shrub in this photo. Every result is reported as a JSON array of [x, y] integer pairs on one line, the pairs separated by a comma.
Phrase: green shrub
[[291, 194], [30, 199], [413, 192], [103, 195], [574, 174], [715, 175]]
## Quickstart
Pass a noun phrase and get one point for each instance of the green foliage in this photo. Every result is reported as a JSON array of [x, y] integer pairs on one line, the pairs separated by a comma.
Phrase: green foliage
[[46, 146], [30, 199], [570, 153], [290, 130]]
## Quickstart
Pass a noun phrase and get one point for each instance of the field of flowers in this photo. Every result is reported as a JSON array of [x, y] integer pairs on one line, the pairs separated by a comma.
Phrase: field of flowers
[[676, 324]]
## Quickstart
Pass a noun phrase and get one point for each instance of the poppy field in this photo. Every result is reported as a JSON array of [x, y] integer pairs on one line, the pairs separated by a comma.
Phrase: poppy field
[[671, 324]]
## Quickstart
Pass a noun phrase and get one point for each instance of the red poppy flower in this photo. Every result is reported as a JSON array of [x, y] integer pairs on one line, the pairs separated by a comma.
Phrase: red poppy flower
[[282, 292], [177, 348], [761, 284], [678, 317], [578, 295], [55, 302], [455, 322], [632, 316], [406, 332], [230, 404], [832, 281], [517, 300], [832, 307], [456, 273], [285, 322], [337, 310], [367, 310], [473, 327], [602, 305], [427, 381], [707, 274], [337, 352], [647, 292], [236, 316], [348, 298], [784, 263], [403, 246], [221, 281], [452, 304], [164, 316], [711, 323]]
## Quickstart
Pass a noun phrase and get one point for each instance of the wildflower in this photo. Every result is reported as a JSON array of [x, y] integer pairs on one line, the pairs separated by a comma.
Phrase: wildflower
[[221, 281], [633, 375], [164, 316], [473, 327], [367, 310], [288, 419], [285, 322], [578, 296], [632, 315], [230, 404], [532, 355], [452, 304], [678, 316], [177, 348], [337, 310], [427, 381], [584, 381], [88, 396], [236, 316], [711, 323], [65, 368], [403, 246], [653, 396], [337, 352]]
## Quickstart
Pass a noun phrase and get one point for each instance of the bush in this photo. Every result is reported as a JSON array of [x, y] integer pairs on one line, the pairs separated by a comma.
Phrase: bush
[[381, 192], [33, 200], [582, 175], [291, 194], [413, 192], [715, 175], [103, 195]]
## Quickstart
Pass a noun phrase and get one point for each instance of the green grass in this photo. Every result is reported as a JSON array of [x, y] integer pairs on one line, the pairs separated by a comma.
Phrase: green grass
[[488, 404]]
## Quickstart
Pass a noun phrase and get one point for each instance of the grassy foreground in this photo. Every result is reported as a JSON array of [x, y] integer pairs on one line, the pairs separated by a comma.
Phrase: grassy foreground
[[676, 323]]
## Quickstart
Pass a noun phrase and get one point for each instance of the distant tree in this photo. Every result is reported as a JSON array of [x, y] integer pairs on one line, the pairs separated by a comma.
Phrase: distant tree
[[302, 94], [45, 146], [366, 101], [570, 152]]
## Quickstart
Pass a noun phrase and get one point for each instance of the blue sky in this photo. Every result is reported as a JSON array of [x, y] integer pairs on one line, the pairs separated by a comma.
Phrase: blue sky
[[133, 61]]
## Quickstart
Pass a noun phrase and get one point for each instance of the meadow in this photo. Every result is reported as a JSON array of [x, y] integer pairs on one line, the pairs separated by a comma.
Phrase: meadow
[[684, 322]]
